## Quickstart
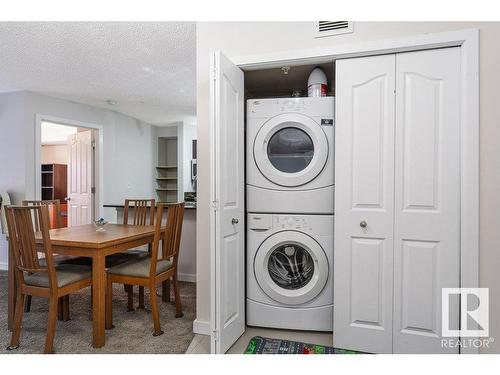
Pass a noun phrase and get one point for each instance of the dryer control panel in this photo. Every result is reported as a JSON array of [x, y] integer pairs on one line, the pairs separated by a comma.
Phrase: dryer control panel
[[291, 222], [322, 107]]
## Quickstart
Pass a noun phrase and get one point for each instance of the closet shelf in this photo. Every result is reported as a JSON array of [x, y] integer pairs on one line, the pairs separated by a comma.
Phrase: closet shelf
[[166, 178], [162, 189], [166, 166]]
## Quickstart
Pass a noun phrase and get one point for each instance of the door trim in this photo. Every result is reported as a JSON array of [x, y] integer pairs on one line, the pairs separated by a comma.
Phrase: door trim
[[214, 137], [98, 166], [468, 41]]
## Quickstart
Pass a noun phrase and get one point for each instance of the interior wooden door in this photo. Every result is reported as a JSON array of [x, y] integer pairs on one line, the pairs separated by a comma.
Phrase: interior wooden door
[[80, 178], [427, 197], [227, 166], [364, 204]]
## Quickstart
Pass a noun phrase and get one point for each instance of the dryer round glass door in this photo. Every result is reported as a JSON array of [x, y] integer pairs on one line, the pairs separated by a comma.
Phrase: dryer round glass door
[[291, 267], [290, 149]]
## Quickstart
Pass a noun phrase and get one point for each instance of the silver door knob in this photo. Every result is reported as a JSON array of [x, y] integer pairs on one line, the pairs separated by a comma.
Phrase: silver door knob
[[363, 224], [67, 199], [234, 221]]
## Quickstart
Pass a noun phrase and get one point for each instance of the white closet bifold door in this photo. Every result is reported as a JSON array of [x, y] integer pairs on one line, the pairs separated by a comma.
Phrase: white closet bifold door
[[427, 196], [364, 198], [227, 265]]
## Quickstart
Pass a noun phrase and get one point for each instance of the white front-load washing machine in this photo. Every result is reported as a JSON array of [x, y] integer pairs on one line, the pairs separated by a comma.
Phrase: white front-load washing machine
[[290, 155], [289, 271]]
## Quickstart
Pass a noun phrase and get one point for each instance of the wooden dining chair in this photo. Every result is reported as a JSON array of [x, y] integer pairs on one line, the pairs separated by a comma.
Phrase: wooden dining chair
[[155, 268], [143, 213], [54, 205], [33, 279]]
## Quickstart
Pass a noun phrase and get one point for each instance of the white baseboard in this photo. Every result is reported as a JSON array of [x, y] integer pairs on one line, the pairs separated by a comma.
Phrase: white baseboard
[[201, 327], [4, 266], [187, 277]]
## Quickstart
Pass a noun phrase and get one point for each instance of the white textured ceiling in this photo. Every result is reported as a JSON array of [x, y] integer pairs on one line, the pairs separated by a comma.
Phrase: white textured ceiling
[[148, 68]]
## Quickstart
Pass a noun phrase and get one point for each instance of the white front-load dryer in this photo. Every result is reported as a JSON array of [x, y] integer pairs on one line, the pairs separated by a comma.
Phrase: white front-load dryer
[[290, 155], [289, 271]]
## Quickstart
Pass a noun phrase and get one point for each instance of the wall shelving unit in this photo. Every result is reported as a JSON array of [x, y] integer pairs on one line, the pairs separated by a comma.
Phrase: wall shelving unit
[[166, 170], [54, 181]]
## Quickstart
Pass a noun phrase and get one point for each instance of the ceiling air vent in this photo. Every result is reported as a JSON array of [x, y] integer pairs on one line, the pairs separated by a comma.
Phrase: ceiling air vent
[[329, 28]]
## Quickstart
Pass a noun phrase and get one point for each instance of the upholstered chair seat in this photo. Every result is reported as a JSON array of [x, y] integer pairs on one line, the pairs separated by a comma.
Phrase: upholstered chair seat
[[66, 274]]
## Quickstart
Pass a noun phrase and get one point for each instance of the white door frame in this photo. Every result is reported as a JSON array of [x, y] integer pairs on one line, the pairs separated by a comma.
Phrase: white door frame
[[98, 166], [468, 41]]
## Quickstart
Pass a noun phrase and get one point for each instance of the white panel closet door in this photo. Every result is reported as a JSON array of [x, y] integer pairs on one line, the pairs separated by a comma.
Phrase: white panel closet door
[[228, 259], [364, 184], [427, 196], [80, 178]]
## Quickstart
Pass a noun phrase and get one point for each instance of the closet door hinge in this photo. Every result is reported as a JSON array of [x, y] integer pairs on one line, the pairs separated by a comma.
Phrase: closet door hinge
[[213, 74], [215, 205], [215, 335]]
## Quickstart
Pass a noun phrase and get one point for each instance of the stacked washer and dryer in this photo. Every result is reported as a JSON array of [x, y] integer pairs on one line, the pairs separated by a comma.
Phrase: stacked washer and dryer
[[290, 195]]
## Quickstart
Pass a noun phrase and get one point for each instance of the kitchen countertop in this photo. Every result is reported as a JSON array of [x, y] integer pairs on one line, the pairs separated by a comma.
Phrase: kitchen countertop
[[187, 207]]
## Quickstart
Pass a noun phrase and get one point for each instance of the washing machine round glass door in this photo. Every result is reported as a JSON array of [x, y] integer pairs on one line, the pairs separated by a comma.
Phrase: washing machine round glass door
[[291, 267], [290, 149]]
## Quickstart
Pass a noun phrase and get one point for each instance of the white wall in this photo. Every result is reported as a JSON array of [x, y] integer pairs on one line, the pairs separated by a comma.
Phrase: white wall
[[12, 163], [12, 145], [54, 154], [128, 157], [168, 131], [247, 38]]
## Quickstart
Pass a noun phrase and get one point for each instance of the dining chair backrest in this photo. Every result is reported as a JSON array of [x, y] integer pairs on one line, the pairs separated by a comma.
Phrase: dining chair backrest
[[173, 230], [54, 204], [171, 234], [21, 224], [4, 202], [143, 209]]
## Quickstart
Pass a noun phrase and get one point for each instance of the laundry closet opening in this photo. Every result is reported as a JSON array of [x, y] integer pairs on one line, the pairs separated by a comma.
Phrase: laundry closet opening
[[289, 195], [286, 81]]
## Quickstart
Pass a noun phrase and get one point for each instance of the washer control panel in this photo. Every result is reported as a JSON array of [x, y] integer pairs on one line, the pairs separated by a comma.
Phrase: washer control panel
[[291, 222], [314, 225]]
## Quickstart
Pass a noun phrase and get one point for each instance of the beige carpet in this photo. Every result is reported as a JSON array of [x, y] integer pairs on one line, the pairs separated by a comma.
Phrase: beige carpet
[[132, 332]]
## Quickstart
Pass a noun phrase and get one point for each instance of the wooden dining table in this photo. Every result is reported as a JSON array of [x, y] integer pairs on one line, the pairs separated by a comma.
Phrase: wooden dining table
[[86, 241]]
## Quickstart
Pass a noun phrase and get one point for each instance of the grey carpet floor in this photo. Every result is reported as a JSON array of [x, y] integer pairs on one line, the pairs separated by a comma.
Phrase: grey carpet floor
[[132, 332]]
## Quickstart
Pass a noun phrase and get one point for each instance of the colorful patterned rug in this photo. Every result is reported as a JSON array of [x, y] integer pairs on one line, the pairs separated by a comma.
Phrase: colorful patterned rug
[[264, 345]]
